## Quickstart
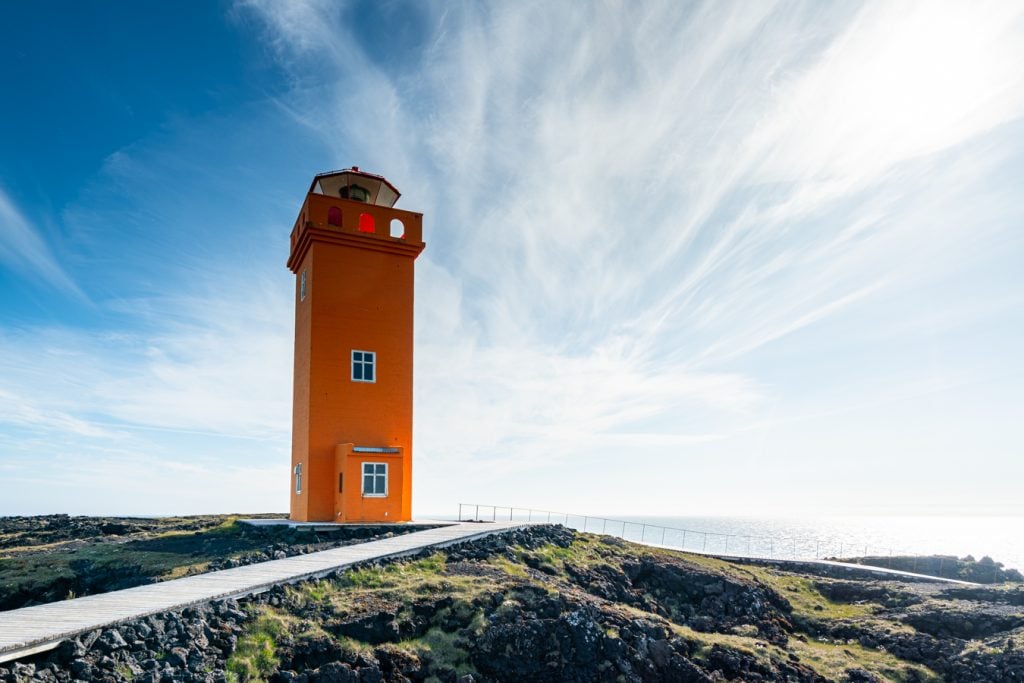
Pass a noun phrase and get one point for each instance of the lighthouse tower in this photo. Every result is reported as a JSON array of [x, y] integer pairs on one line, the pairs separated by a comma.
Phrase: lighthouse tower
[[352, 254]]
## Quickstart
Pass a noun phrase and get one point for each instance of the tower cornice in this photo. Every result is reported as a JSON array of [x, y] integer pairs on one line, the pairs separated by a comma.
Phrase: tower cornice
[[345, 222]]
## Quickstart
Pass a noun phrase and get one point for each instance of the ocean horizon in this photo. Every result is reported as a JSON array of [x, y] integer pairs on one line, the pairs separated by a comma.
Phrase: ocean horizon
[[999, 538]]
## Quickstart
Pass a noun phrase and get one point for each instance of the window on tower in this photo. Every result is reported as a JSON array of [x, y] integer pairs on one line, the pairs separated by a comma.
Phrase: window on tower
[[302, 287], [298, 478], [364, 366], [334, 216], [375, 479]]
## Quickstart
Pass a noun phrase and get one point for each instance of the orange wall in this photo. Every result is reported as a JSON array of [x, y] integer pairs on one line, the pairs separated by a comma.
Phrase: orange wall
[[356, 507], [300, 396], [359, 296]]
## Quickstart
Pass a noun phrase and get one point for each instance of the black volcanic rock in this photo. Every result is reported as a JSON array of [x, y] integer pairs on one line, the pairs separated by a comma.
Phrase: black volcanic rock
[[531, 606]]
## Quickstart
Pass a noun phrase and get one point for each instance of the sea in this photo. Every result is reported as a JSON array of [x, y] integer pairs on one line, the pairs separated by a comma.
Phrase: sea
[[1000, 538]]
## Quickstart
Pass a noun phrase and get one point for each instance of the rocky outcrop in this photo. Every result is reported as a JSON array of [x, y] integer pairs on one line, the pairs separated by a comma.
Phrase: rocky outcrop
[[530, 606], [192, 645], [96, 555]]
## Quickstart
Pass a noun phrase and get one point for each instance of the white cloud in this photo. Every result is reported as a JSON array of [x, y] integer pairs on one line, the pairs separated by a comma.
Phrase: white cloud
[[215, 361], [626, 202], [22, 249], [625, 205]]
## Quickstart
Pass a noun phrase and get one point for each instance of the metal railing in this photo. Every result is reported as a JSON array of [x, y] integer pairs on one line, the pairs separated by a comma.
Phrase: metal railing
[[691, 540]]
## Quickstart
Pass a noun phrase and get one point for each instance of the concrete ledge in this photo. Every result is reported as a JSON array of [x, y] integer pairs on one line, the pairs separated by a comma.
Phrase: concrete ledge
[[331, 526]]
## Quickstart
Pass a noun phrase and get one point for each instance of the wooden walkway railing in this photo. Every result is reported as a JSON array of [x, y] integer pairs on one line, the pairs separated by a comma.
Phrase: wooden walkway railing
[[35, 629]]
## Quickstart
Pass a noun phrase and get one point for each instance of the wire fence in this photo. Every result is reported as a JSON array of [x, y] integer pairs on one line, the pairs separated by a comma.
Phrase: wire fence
[[692, 540]]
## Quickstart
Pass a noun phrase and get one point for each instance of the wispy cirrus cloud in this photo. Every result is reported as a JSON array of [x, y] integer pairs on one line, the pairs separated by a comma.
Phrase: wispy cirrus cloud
[[199, 362], [657, 234], [23, 250], [627, 204]]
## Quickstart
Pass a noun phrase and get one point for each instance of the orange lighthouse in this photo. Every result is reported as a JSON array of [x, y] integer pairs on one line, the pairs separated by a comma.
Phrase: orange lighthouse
[[352, 254]]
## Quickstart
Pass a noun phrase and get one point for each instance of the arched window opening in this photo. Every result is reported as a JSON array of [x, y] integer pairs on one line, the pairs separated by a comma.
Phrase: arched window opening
[[298, 478], [334, 216], [397, 228], [366, 223]]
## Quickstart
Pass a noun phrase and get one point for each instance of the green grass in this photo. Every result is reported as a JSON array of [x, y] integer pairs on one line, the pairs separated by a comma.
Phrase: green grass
[[508, 566], [103, 564], [806, 599], [442, 649], [395, 574], [255, 655], [831, 660]]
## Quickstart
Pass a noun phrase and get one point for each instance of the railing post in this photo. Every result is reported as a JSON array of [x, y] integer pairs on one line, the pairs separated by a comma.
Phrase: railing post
[[478, 512], [663, 535], [549, 517], [604, 524], [705, 540], [529, 513], [510, 510], [585, 523], [683, 545], [643, 532], [494, 513]]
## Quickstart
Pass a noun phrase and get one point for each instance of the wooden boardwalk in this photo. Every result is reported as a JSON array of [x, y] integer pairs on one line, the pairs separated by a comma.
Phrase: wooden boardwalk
[[29, 630]]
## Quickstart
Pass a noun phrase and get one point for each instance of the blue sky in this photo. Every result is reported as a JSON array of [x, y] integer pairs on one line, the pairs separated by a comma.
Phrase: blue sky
[[683, 258]]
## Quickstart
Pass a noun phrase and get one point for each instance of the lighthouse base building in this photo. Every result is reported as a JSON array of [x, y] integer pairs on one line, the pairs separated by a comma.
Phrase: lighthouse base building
[[353, 254]]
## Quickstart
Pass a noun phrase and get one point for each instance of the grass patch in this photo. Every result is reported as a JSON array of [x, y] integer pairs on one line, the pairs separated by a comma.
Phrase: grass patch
[[831, 660], [395, 574], [255, 655], [508, 566], [441, 649], [827, 659], [808, 600]]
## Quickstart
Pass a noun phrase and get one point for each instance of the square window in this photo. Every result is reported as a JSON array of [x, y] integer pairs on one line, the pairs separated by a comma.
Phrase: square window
[[375, 479], [364, 366]]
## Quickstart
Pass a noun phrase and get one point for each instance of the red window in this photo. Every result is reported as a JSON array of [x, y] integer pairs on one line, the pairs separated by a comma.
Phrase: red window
[[366, 223]]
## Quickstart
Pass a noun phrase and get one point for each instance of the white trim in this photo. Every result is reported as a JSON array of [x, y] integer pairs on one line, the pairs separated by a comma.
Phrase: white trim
[[374, 474], [368, 359]]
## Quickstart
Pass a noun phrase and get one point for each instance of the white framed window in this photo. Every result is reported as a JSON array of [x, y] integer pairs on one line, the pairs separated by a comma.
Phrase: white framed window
[[375, 479], [302, 287], [298, 478], [364, 366]]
